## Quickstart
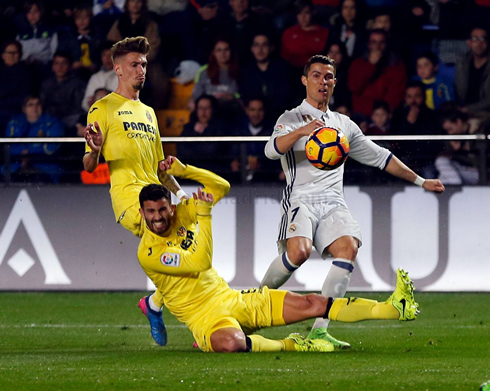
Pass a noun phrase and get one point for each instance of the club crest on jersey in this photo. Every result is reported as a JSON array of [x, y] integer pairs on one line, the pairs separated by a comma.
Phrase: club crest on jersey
[[170, 259], [182, 231], [292, 228], [148, 115], [278, 128]]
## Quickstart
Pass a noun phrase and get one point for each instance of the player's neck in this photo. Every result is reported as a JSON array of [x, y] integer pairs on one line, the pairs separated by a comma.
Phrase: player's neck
[[323, 106], [128, 93]]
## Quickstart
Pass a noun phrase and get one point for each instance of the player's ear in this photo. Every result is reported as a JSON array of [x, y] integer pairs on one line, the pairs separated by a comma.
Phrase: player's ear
[[172, 210], [304, 80], [117, 68]]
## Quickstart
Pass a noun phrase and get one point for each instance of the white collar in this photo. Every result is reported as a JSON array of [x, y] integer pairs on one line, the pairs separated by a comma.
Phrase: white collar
[[316, 113]]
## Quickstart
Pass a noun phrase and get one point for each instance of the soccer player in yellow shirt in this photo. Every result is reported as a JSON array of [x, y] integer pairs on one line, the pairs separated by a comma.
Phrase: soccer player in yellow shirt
[[176, 252], [126, 134]]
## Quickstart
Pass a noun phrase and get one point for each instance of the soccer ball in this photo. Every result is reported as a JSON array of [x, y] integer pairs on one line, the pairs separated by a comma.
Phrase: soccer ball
[[327, 148]]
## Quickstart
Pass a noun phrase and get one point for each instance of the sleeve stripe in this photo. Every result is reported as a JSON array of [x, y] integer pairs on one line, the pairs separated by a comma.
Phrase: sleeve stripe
[[388, 161], [275, 147]]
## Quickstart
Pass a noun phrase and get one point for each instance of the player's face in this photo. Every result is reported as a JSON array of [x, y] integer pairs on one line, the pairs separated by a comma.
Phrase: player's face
[[255, 112], [414, 96], [478, 42], [319, 84], [425, 68], [131, 70], [158, 215], [261, 48]]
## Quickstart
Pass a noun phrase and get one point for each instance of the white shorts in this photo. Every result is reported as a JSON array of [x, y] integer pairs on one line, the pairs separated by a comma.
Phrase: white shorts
[[322, 223]]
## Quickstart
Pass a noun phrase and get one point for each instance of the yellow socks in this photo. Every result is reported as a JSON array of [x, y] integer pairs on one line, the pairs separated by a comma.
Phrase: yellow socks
[[355, 309], [261, 344]]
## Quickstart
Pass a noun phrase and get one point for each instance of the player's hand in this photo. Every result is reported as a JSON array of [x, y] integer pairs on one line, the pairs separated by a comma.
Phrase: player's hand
[[313, 125], [434, 185], [172, 166], [204, 202], [94, 139]]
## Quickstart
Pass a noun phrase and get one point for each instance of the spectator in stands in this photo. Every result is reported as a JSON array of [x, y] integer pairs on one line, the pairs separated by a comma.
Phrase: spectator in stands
[[219, 77], [338, 52], [137, 21], [62, 94], [304, 39], [457, 164], [380, 75], [15, 81], [104, 78], [209, 24], [108, 7], [81, 124], [39, 41], [31, 160], [349, 27], [380, 123], [244, 24], [415, 118], [204, 122], [258, 167], [438, 89], [81, 42], [266, 75], [472, 79]]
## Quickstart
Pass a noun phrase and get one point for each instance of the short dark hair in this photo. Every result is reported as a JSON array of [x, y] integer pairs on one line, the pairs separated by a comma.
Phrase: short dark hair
[[415, 84], [454, 115], [29, 98], [130, 45], [381, 104], [432, 57], [321, 59], [154, 192], [14, 42], [251, 98], [64, 54]]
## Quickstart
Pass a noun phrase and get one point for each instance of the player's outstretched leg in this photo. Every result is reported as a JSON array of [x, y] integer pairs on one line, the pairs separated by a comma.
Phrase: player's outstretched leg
[[299, 343], [402, 298], [158, 331], [400, 305]]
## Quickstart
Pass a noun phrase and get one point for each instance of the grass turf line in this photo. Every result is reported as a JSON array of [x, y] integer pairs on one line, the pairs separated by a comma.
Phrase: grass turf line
[[81, 341]]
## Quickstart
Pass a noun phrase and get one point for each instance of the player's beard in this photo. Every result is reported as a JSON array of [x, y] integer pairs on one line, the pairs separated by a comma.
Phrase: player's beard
[[159, 230], [138, 86]]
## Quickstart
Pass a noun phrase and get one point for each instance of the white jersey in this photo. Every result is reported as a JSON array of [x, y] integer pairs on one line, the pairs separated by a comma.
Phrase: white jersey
[[306, 183]]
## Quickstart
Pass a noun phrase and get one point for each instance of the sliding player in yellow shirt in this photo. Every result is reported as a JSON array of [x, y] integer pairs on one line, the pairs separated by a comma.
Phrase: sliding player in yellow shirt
[[126, 134], [176, 253]]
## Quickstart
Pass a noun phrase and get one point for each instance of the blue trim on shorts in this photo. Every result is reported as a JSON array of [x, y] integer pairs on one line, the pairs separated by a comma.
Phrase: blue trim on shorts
[[287, 265], [344, 265]]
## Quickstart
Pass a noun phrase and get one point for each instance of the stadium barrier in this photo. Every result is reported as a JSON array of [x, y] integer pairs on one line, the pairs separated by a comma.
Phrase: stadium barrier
[[65, 238]]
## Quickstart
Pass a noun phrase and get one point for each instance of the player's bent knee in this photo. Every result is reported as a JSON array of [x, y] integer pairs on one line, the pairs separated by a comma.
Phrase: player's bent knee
[[229, 342], [298, 255]]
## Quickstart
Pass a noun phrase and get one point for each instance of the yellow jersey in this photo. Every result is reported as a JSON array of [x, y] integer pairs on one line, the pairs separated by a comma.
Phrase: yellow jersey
[[132, 146], [180, 264]]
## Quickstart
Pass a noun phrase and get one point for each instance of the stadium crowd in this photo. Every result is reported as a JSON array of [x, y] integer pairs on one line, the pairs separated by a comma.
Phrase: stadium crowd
[[231, 67]]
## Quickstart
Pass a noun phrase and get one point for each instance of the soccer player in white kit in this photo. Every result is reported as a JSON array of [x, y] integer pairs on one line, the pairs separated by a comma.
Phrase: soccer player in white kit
[[314, 211]]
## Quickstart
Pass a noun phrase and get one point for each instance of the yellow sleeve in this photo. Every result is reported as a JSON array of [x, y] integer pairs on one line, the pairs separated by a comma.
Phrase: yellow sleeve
[[212, 183], [177, 261], [98, 112], [159, 148]]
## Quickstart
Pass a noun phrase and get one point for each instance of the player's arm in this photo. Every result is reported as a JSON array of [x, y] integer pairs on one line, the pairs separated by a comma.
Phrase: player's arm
[[212, 183], [95, 140], [397, 168], [170, 182], [278, 145], [185, 262]]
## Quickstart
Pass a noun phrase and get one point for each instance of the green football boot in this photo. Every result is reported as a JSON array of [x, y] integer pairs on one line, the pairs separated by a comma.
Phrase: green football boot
[[322, 333], [302, 344], [402, 298]]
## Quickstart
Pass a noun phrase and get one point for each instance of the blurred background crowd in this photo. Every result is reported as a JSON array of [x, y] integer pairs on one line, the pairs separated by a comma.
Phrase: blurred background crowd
[[231, 67]]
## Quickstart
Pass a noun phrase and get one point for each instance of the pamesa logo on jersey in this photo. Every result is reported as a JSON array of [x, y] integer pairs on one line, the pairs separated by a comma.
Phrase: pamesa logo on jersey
[[170, 259]]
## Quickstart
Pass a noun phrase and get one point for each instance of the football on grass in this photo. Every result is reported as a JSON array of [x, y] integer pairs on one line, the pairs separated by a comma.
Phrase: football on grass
[[327, 148]]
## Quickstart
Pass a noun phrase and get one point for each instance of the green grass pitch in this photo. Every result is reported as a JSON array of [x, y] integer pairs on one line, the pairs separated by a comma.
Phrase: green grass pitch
[[98, 341]]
